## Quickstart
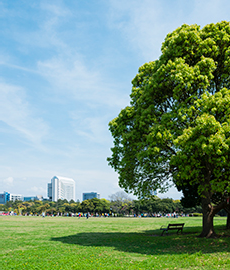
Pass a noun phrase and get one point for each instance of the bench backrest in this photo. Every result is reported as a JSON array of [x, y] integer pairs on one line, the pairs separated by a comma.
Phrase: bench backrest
[[175, 226]]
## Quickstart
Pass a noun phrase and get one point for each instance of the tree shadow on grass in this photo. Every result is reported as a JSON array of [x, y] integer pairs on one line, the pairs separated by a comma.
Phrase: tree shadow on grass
[[150, 242]]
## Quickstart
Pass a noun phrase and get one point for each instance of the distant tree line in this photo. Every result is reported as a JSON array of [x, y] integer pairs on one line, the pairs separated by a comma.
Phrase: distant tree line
[[119, 204]]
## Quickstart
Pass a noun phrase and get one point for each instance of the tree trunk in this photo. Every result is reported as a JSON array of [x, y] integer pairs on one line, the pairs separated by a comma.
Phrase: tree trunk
[[208, 215], [228, 218], [228, 222]]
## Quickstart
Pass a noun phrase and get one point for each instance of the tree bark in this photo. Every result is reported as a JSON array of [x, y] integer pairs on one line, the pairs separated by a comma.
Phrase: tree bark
[[228, 218], [208, 215], [209, 212], [228, 222]]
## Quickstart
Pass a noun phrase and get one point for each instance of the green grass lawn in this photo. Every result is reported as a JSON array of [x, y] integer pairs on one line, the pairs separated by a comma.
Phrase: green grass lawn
[[110, 243]]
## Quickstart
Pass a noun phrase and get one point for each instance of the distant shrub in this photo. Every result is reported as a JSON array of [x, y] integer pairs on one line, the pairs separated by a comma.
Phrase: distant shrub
[[196, 214]]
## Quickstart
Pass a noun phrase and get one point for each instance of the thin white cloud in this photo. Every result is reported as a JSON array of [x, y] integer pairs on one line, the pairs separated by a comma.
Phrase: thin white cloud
[[17, 113], [146, 23], [69, 76], [68, 70], [55, 9], [171, 193], [9, 182], [139, 23], [37, 190], [7, 64], [104, 182], [44, 24], [211, 11], [65, 69], [95, 129]]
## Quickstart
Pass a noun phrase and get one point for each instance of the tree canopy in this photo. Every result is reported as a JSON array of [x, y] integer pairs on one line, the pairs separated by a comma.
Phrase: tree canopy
[[177, 127], [119, 207]]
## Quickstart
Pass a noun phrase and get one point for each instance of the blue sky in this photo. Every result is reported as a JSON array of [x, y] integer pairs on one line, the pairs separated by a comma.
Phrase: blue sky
[[65, 72]]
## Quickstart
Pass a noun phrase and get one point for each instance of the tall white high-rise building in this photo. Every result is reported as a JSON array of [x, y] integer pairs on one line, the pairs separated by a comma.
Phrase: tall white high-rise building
[[61, 188]]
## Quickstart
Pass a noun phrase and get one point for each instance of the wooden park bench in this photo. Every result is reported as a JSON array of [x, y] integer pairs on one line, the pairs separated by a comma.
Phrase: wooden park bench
[[174, 226]]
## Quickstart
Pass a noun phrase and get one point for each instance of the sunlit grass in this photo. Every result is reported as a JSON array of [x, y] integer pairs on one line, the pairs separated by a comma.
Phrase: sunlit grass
[[110, 243]]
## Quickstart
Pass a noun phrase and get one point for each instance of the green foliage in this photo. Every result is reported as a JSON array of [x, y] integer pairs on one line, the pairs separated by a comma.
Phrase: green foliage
[[178, 124], [119, 206], [177, 127], [204, 144], [156, 205], [197, 214], [87, 206]]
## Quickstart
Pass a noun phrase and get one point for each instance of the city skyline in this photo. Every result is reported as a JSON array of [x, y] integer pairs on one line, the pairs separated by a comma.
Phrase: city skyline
[[66, 71]]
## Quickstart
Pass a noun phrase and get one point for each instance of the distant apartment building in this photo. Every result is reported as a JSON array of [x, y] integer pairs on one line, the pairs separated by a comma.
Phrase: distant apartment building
[[4, 197], [61, 188], [90, 195], [16, 197], [33, 198], [49, 191]]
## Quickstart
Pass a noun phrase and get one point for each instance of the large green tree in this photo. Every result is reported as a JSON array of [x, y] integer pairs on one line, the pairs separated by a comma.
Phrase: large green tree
[[177, 127]]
